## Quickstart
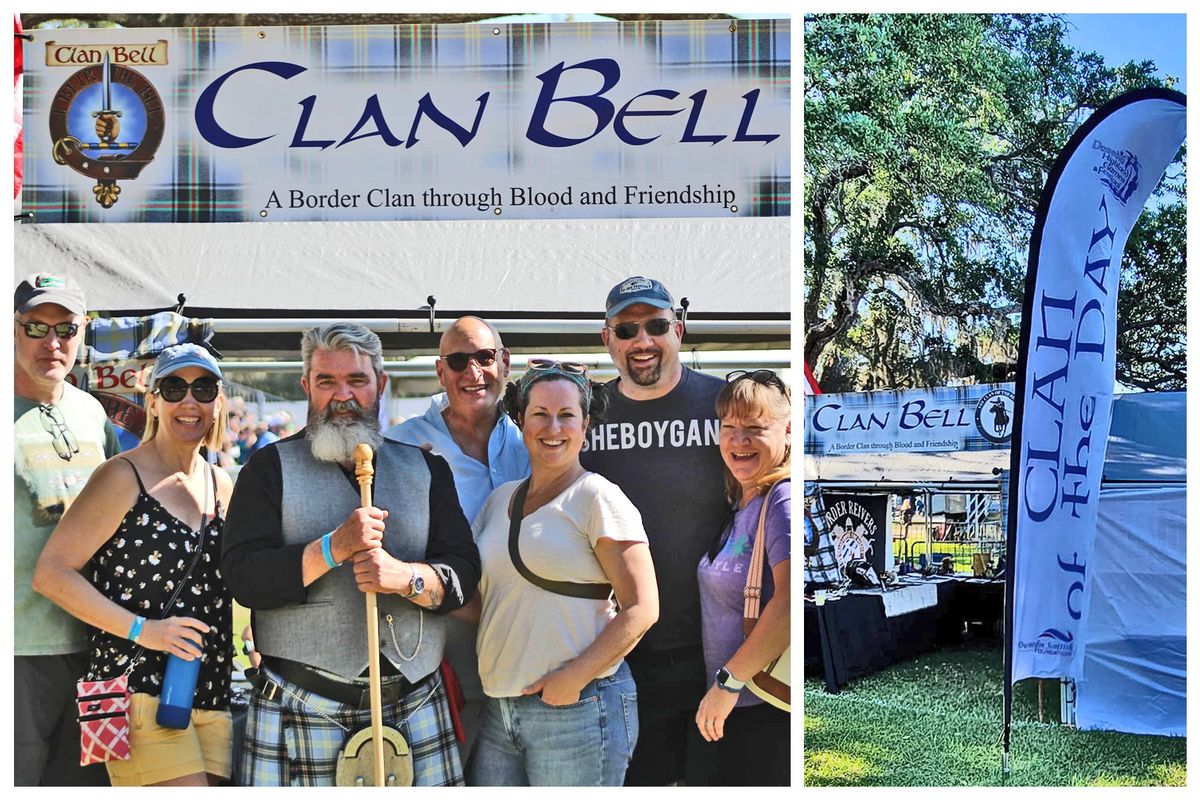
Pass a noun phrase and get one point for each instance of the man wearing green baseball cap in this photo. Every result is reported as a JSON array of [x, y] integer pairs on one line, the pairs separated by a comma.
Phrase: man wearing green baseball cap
[[60, 435]]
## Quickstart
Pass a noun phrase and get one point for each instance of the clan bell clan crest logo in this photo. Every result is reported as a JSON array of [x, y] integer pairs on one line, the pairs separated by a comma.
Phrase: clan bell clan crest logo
[[994, 415], [106, 120], [1118, 170]]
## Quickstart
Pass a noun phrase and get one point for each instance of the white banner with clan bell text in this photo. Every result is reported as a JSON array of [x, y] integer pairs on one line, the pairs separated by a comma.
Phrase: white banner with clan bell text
[[670, 118]]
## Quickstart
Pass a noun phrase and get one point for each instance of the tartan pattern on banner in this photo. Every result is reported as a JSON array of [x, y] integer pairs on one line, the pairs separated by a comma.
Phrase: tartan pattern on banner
[[126, 338], [820, 562], [872, 416], [103, 720], [289, 743], [190, 180]]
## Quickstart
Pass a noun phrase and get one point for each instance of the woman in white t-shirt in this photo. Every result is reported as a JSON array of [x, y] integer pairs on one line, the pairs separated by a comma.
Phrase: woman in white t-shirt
[[562, 705]]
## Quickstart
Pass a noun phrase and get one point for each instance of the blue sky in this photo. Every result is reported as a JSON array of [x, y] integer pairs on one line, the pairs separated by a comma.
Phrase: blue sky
[[1120, 38]]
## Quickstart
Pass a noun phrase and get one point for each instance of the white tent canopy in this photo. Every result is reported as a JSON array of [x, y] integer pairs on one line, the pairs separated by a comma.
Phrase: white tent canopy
[[726, 268]]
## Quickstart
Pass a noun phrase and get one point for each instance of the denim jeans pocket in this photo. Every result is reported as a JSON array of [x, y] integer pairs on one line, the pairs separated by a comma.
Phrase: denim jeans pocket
[[583, 702]]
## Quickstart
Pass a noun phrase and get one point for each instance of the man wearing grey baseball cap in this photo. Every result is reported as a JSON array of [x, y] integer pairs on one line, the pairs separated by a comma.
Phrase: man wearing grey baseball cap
[[660, 444], [60, 435]]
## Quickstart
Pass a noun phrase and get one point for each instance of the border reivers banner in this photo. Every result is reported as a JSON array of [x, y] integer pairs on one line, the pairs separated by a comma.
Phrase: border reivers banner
[[857, 525], [475, 121]]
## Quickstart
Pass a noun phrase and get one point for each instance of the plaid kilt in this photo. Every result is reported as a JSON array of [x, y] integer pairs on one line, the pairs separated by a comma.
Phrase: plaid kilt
[[288, 743], [821, 569]]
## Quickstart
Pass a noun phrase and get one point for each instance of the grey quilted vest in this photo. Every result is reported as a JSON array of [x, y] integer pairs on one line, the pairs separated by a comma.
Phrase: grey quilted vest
[[329, 630]]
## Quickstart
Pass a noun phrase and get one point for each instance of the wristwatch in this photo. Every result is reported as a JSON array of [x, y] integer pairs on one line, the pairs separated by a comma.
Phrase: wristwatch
[[726, 681], [417, 586]]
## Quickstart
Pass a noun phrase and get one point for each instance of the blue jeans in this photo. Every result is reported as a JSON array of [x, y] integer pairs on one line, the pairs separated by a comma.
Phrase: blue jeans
[[525, 742]]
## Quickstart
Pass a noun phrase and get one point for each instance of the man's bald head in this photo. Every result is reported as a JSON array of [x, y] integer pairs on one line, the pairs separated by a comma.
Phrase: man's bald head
[[469, 329]]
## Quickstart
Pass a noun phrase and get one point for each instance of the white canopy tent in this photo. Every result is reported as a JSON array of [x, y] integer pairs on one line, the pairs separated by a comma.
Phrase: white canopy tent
[[542, 280]]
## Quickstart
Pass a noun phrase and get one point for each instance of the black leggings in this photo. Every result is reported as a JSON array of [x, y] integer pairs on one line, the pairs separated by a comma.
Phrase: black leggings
[[755, 750]]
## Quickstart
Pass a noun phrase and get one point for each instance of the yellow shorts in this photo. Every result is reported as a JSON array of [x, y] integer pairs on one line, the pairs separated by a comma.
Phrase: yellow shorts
[[160, 754]]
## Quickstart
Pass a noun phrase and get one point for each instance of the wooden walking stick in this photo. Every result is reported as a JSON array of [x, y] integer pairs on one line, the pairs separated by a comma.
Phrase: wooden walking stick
[[365, 473]]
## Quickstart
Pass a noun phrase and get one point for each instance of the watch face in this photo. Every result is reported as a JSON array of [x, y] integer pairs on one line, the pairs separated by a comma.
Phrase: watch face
[[723, 676], [418, 584]]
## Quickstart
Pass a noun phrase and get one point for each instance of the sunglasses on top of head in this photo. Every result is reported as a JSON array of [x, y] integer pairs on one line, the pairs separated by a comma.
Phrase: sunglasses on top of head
[[484, 358], [766, 377], [655, 327], [173, 389], [545, 364], [40, 330]]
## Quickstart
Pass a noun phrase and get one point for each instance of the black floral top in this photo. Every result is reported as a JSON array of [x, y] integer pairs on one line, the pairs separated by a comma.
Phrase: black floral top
[[138, 569]]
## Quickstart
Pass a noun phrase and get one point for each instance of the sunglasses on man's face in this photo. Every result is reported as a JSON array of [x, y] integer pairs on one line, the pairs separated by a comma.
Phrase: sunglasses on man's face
[[655, 327], [459, 361], [766, 377], [40, 330], [173, 389]]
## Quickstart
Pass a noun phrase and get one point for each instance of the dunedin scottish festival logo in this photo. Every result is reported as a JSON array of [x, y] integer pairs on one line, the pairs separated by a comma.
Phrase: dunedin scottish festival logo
[[1118, 170], [1050, 642], [994, 415], [107, 119]]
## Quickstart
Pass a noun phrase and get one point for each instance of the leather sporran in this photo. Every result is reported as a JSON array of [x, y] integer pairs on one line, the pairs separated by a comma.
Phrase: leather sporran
[[774, 682], [103, 720]]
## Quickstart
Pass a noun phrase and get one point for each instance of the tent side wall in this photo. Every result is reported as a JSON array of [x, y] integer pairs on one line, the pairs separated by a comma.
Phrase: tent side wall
[[1135, 656]]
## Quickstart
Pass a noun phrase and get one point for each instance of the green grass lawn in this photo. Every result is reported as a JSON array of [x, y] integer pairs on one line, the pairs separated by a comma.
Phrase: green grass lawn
[[937, 721]]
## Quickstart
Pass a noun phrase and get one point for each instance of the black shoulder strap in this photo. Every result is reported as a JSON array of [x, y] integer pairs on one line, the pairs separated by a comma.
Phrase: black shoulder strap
[[216, 497], [136, 474], [587, 591]]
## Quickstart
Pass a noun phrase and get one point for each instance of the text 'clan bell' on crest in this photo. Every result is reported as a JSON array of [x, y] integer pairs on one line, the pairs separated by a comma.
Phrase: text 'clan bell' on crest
[[107, 119]]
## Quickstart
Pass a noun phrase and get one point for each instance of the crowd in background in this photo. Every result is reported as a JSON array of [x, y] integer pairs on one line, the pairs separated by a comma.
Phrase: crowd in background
[[247, 433]]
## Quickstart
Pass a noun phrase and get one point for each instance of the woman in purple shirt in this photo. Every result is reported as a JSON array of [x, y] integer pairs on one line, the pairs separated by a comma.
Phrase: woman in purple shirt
[[747, 739]]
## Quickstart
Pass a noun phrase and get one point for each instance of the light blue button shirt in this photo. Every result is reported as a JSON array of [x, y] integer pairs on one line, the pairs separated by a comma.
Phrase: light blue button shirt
[[508, 460]]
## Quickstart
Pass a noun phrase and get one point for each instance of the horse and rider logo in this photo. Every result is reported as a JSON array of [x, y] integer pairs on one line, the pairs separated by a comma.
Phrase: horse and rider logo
[[107, 119], [994, 415]]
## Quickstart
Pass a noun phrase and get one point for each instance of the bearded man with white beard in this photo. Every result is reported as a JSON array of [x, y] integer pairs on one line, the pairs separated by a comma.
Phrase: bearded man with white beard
[[293, 520]]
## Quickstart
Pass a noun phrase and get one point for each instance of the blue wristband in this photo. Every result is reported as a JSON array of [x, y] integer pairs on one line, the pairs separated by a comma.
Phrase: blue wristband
[[327, 551], [135, 630]]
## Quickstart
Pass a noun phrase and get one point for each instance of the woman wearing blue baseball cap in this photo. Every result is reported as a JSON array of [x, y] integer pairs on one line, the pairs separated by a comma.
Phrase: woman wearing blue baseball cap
[[136, 558], [567, 589]]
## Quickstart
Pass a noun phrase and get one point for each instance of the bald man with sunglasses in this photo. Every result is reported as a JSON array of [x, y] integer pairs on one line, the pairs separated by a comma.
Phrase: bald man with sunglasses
[[60, 435], [466, 426]]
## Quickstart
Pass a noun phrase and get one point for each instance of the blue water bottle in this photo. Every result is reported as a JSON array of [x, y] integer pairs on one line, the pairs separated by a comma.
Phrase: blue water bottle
[[179, 688]]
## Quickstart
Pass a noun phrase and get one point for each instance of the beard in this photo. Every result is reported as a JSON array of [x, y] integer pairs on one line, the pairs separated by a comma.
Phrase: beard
[[648, 375], [333, 438]]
